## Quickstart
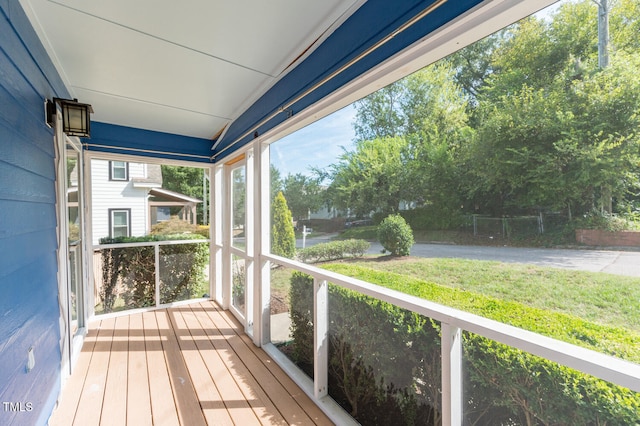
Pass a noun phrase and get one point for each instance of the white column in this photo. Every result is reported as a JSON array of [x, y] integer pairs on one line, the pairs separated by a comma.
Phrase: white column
[[261, 244], [451, 375], [219, 272], [250, 237]]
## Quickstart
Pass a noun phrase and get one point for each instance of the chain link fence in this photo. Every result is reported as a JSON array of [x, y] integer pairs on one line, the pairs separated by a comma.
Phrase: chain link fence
[[513, 227]]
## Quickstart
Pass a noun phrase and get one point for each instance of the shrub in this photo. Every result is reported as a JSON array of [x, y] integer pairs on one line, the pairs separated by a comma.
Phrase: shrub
[[283, 238], [333, 250], [130, 271], [173, 226], [385, 360], [605, 222], [395, 235], [203, 230], [368, 370]]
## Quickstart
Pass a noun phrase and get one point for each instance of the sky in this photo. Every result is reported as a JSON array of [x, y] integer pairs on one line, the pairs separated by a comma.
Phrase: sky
[[317, 145]]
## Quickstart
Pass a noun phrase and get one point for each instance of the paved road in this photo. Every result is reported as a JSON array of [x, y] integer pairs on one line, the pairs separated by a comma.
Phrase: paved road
[[610, 261]]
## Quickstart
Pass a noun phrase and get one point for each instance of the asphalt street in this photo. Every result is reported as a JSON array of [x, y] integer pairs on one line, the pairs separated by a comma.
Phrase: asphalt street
[[610, 261]]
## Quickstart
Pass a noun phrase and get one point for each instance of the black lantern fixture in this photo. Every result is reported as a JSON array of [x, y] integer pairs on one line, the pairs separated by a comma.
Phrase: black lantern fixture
[[75, 116]]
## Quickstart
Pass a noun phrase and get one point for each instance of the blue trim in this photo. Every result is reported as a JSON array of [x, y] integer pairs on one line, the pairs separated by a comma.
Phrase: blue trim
[[114, 139], [374, 21]]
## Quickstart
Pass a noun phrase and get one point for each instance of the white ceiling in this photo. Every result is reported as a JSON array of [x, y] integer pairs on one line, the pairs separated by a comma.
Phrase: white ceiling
[[187, 67]]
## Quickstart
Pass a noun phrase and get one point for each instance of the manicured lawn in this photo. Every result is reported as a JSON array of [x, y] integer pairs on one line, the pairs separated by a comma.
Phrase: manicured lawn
[[595, 310], [596, 297]]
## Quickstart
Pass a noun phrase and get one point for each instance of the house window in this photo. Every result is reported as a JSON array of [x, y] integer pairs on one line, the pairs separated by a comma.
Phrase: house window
[[119, 223], [118, 170]]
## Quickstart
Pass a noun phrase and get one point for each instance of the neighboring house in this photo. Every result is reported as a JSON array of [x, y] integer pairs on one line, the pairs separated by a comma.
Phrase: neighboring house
[[325, 213], [128, 199]]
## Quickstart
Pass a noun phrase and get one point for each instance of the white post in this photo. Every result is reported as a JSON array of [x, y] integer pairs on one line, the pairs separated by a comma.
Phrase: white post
[[260, 222], [451, 376], [250, 237], [156, 249], [320, 338], [219, 272], [304, 235]]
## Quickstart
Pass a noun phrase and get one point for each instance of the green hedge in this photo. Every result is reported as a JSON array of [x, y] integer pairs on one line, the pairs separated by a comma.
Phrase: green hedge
[[385, 362], [129, 272], [333, 250]]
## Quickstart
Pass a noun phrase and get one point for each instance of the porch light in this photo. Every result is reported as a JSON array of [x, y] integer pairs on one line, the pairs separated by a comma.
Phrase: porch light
[[75, 116]]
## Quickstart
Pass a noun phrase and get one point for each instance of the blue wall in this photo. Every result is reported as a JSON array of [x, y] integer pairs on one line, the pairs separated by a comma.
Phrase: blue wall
[[29, 313]]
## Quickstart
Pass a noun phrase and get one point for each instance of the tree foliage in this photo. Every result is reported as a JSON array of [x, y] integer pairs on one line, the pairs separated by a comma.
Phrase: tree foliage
[[187, 181], [283, 239], [303, 195], [520, 122], [371, 177]]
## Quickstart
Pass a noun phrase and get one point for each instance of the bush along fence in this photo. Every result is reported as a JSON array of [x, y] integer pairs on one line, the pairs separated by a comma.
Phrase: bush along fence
[[333, 250], [129, 270], [385, 368]]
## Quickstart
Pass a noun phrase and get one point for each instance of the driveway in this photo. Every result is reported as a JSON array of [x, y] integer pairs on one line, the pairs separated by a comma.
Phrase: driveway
[[609, 261]]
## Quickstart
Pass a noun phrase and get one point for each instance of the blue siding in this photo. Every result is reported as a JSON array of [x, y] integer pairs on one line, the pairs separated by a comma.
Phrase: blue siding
[[29, 311]]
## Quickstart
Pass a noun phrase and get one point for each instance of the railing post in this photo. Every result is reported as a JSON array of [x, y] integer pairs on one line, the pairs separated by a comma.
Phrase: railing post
[[451, 375], [156, 247], [320, 338]]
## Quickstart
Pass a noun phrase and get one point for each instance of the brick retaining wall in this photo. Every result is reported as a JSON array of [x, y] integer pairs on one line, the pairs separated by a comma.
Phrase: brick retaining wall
[[594, 237]]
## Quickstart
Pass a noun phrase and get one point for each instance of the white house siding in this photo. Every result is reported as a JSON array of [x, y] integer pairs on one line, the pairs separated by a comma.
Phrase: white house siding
[[106, 195]]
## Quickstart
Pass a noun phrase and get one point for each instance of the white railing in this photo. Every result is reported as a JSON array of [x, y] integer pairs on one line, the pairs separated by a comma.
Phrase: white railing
[[453, 322], [156, 245]]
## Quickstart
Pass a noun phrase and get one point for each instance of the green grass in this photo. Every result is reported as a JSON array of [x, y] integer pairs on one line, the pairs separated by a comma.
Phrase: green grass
[[368, 233], [596, 297], [587, 309]]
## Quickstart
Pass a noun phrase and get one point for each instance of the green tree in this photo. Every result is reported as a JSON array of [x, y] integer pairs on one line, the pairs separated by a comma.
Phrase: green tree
[[303, 195], [276, 181], [379, 115], [185, 180], [407, 138], [371, 178], [554, 131], [283, 239]]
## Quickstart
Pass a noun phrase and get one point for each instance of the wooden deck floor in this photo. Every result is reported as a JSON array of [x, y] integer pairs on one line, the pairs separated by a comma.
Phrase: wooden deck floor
[[187, 365]]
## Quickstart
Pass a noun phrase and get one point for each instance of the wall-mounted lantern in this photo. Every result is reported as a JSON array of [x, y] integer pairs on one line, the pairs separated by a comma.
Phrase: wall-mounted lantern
[[75, 116]]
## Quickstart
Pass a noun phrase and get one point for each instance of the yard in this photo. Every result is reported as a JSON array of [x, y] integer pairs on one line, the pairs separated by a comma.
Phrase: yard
[[555, 302]]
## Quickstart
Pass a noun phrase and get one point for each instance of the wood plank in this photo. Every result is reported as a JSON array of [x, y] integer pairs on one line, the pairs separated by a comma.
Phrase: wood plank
[[114, 408], [309, 407], [138, 399], [234, 399], [90, 404], [189, 365], [260, 402], [163, 407], [189, 410], [279, 394], [68, 403], [272, 377]]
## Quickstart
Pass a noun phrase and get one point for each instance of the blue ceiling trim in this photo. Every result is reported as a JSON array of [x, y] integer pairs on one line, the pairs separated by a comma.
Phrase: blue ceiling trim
[[370, 24], [110, 138]]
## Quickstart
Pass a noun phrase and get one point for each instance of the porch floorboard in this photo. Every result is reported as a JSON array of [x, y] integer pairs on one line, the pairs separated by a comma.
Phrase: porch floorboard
[[184, 365]]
